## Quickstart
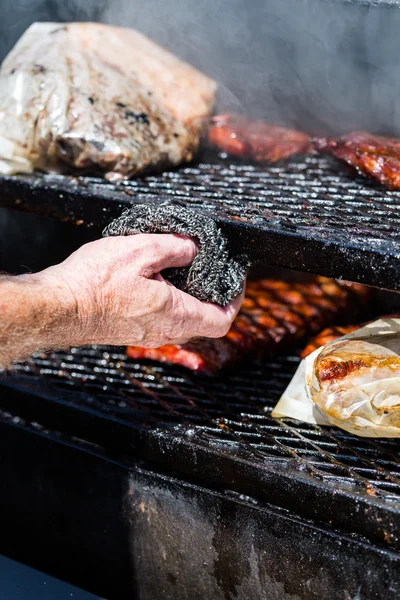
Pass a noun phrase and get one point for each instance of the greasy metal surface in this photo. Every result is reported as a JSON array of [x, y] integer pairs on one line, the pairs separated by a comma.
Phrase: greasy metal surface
[[124, 531], [310, 214], [217, 431]]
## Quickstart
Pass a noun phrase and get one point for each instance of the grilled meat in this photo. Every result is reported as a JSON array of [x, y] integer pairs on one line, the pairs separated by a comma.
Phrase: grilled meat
[[357, 384], [330, 334], [327, 335], [256, 140], [274, 314], [98, 98], [354, 382], [374, 156]]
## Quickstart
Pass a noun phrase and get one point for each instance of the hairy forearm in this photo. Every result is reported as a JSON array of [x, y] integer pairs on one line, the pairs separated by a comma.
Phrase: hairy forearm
[[107, 292], [36, 313]]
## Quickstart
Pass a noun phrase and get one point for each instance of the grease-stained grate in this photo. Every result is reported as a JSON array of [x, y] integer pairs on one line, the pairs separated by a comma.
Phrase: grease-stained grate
[[231, 412], [310, 193], [325, 219]]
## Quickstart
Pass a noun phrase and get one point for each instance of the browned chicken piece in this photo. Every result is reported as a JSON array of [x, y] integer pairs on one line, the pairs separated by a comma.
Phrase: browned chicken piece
[[99, 98], [357, 383], [330, 334], [374, 156], [256, 140], [274, 314]]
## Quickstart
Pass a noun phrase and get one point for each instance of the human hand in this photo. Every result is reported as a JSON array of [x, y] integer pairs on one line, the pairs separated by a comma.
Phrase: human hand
[[120, 298]]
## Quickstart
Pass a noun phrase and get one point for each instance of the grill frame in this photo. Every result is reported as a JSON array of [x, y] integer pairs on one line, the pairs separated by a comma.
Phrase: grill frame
[[309, 214], [220, 451], [61, 492]]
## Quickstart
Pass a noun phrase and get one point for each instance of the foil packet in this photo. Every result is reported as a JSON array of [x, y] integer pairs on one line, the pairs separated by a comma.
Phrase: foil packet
[[352, 383], [98, 99]]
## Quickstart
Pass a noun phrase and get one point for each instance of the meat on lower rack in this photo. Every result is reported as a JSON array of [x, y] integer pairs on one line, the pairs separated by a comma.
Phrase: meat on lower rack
[[330, 334], [274, 314], [256, 140], [376, 157]]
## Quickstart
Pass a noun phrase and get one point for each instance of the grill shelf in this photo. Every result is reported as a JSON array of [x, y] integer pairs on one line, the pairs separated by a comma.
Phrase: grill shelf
[[216, 431], [309, 214]]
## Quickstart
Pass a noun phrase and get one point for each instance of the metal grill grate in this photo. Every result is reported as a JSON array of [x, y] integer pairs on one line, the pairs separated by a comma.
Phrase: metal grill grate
[[232, 411], [325, 219]]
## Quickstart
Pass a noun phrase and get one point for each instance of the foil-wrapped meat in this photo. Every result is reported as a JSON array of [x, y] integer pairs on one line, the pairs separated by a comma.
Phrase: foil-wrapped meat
[[274, 314], [353, 383], [98, 98], [256, 140], [374, 156]]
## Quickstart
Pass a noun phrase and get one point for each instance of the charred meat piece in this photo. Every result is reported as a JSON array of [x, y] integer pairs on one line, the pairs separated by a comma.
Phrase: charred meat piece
[[256, 140], [330, 334], [374, 156], [98, 98], [274, 314]]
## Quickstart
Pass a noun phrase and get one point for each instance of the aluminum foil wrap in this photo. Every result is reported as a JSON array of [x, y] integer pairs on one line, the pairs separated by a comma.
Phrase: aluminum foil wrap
[[352, 382], [88, 97]]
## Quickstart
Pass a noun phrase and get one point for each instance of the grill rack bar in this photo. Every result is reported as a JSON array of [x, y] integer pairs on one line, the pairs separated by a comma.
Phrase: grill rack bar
[[220, 430], [308, 214]]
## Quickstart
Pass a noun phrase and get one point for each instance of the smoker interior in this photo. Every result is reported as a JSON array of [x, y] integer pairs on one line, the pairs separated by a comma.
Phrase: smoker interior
[[216, 435], [310, 213], [126, 530], [219, 500], [162, 410]]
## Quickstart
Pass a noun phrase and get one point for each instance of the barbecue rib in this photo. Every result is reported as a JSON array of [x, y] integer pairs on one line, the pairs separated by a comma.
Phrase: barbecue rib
[[256, 140], [327, 335], [374, 156], [274, 314], [99, 98], [330, 334]]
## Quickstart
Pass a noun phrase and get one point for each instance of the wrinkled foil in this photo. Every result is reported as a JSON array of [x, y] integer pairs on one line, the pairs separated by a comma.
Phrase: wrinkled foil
[[365, 402], [93, 98]]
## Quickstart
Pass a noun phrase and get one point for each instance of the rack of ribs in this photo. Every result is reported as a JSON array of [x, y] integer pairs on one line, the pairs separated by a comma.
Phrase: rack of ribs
[[330, 334], [274, 314], [374, 156], [256, 140]]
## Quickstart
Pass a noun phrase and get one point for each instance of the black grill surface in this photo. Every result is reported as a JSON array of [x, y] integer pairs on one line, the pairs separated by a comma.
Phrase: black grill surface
[[217, 431], [309, 214]]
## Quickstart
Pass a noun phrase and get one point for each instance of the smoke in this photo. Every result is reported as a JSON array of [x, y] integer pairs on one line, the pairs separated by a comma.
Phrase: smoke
[[213, 36], [319, 65]]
